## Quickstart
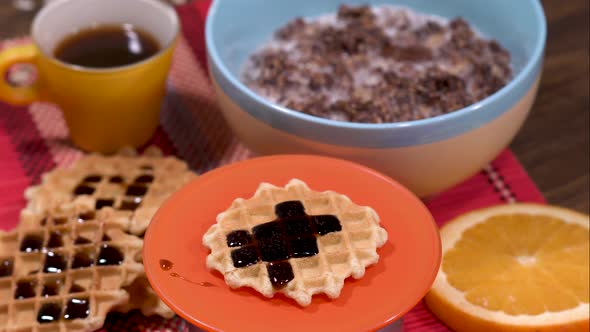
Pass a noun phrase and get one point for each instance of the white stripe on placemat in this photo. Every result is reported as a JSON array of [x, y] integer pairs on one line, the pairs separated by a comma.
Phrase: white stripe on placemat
[[499, 184]]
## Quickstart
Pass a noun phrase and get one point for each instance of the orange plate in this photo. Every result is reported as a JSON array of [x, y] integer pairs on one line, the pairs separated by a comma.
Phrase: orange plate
[[407, 267]]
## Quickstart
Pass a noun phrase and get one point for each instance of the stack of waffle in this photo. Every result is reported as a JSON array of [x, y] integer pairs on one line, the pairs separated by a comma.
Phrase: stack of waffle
[[76, 253]]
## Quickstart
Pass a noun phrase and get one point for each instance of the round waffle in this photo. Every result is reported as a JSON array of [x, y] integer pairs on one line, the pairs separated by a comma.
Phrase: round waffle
[[133, 185], [294, 241]]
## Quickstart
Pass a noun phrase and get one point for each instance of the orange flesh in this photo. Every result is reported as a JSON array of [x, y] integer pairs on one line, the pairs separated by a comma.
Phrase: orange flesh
[[521, 264]]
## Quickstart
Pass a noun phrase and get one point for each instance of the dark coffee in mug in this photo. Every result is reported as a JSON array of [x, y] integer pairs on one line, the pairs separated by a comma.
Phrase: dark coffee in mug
[[107, 46]]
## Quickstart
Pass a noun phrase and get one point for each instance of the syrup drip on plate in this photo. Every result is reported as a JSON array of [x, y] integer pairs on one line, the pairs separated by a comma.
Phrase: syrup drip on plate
[[167, 265]]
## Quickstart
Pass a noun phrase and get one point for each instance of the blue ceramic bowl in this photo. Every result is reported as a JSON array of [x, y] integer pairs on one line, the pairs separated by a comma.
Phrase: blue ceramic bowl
[[427, 155]]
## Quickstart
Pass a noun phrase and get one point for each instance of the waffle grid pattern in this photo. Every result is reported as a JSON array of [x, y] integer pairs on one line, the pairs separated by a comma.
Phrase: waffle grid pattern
[[133, 185], [341, 254], [74, 259], [32, 143]]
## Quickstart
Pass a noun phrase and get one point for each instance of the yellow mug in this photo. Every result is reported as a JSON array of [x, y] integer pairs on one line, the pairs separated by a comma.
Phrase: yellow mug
[[105, 109]]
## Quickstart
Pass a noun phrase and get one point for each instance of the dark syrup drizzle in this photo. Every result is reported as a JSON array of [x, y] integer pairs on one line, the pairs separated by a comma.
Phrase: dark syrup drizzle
[[49, 312], [55, 240], [31, 242], [293, 234], [109, 255], [54, 262], [51, 288], [103, 202], [116, 179], [6, 266], [167, 265], [82, 240], [24, 289], [75, 288], [77, 308]]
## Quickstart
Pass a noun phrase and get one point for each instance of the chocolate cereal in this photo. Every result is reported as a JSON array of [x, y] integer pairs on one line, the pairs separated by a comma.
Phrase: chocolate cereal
[[377, 65]]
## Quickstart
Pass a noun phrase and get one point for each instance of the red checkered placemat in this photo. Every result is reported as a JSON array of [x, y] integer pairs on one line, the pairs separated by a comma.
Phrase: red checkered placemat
[[34, 140]]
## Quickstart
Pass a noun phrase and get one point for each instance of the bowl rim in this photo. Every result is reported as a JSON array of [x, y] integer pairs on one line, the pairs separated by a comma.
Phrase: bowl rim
[[528, 69]]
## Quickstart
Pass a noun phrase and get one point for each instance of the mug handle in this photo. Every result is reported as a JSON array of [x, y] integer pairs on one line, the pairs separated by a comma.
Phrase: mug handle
[[18, 95]]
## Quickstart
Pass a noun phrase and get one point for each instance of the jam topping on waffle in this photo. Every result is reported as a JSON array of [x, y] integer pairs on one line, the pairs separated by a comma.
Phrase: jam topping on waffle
[[293, 240], [49, 313], [76, 253], [24, 289], [291, 235]]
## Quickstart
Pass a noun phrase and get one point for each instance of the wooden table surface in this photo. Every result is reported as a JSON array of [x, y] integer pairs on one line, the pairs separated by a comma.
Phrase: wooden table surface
[[553, 144]]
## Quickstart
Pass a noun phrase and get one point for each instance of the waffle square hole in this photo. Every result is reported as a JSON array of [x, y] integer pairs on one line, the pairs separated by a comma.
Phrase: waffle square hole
[[298, 226], [136, 190], [273, 249], [109, 255], [332, 242], [75, 288], [55, 262], [86, 216], [130, 203], [304, 246], [49, 312], [144, 178], [320, 205], [105, 237], [81, 240], [310, 267], [356, 225], [8, 243], [56, 238], [83, 258], [109, 278], [327, 223], [31, 242], [84, 189], [25, 288], [280, 273], [104, 202], [343, 269], [29, 263], [81, 278], [361, 239], [6, 267], [338, 258], [289, 209], [245, 256], [238, 238], [116, 179], [87, 233], [266, 211], [58, 221], [3, 315], [93, 178], [24, 311], [77, 307], [5, 290], [316, 282], [52, 287]]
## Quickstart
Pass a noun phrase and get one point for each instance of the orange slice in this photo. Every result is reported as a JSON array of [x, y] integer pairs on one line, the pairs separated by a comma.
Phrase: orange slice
[[518, 267]]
